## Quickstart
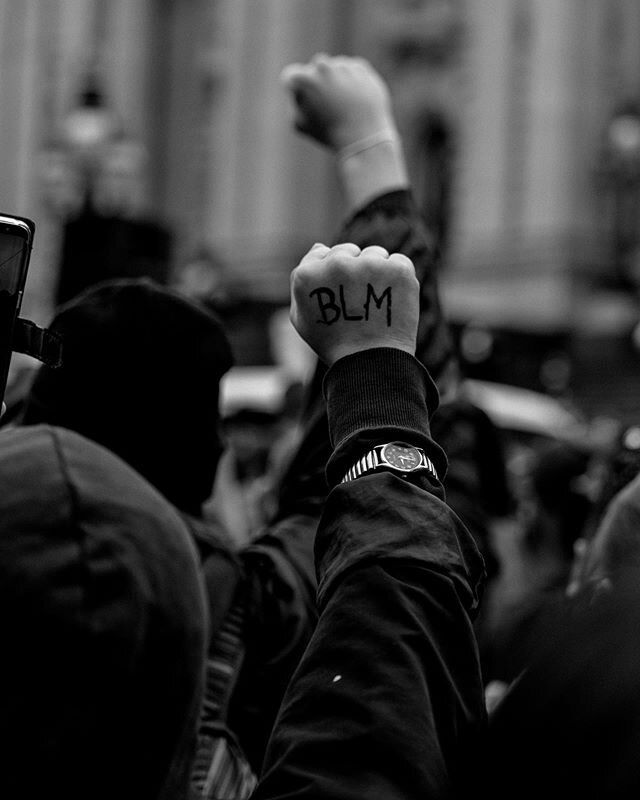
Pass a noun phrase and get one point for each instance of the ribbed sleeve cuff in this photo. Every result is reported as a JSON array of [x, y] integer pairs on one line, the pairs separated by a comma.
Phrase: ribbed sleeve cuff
[[374, 396]]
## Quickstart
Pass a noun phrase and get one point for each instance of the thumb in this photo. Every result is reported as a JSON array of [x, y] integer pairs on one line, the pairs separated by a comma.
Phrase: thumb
[[317, 250]]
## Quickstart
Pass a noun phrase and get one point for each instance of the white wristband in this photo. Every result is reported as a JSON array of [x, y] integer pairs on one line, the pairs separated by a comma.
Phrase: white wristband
[[366, 143]]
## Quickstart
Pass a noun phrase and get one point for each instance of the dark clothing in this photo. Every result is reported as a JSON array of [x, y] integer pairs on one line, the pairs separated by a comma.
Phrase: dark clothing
[[476, 482], [388, 699], [570, 724], [103, 623], [140, 375], [280, 585], [393, 221]]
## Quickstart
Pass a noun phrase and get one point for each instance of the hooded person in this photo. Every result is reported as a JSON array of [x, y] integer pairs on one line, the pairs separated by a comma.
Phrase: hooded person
[[104, 626], [140, 375], [141, 371]]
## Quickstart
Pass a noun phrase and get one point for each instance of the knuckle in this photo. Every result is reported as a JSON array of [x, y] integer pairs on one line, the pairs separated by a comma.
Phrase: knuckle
[[401, 261], [336, 261], [376, 249], [341, 252]]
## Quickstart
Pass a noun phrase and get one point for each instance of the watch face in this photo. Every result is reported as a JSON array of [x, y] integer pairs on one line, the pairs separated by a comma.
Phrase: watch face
[[401, 456]]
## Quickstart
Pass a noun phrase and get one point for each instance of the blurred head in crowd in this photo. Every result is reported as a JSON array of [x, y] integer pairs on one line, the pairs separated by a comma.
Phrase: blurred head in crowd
[[615, 544], [141, 372], [611, 541], [103, 623]]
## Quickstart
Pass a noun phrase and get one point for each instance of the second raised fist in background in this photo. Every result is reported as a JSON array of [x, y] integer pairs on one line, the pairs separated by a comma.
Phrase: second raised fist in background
[[339, 100]]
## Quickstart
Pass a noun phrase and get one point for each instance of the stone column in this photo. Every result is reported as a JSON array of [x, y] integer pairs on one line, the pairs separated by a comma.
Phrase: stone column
[[270, 194], [515, 210]]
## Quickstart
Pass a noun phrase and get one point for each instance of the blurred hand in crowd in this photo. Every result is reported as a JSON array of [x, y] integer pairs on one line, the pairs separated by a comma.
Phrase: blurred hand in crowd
[[344, 104], [339, 100]]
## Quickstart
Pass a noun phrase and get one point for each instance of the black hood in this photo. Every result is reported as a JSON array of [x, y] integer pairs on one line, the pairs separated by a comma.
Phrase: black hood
[[140, 376], [103, 626]]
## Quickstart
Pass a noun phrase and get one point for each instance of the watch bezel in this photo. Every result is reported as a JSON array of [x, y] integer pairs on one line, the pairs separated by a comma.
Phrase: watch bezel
[[408, 447]]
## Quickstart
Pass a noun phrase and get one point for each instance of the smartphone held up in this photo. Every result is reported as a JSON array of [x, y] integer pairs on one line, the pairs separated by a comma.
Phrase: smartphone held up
[[17, 334], [16, 241]]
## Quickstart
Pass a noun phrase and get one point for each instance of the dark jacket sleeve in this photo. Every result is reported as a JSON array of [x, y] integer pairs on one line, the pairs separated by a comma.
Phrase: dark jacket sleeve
[[387, 701], [392, 221]]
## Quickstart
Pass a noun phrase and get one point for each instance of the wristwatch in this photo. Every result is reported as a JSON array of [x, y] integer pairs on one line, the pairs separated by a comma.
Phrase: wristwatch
[[396, 456]]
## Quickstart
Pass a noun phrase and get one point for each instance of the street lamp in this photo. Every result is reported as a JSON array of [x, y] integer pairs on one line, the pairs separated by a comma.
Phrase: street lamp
[[93, 183], [73, 163], [90, 124], [88, 130], [93, 167]]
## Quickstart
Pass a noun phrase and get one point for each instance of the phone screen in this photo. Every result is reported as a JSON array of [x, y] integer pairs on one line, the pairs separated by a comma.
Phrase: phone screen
[[13, 250], [15, 247]]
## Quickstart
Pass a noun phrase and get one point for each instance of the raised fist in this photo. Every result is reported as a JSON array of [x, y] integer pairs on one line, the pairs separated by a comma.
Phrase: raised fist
[[344, 299], [338, 100]]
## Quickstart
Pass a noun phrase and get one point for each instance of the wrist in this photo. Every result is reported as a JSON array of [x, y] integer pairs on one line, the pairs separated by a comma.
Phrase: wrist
[[378, 387], [356, 145], [377, 396], [370, 167], [344, 351]]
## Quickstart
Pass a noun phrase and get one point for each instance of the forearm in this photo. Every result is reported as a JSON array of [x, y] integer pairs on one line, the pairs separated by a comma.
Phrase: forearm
[[370, 168], [393, 221], [388, 698], [387, 701]]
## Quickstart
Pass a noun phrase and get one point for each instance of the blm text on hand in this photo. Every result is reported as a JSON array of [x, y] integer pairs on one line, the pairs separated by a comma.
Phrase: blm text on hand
[[344, 300]]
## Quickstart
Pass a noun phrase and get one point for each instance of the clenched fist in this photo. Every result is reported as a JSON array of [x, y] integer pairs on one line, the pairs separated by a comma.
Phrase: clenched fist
[[344, 299], [338, 100]]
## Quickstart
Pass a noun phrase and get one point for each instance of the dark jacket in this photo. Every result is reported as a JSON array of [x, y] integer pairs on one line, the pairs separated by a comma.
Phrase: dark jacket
[[388, 700], [103, 625]]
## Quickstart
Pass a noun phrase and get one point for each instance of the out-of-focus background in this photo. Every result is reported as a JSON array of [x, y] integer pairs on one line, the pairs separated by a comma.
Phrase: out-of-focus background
[[153, 137]]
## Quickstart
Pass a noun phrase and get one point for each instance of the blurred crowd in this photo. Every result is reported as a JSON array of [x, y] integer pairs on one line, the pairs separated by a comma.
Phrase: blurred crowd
[[372, 589]]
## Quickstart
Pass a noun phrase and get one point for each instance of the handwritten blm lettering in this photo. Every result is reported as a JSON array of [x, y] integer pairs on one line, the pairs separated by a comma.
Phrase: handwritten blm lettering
[[332, 309]]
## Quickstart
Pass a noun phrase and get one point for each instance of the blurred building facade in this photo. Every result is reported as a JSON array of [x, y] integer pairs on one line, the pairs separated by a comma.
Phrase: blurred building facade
[[504, 106], [522, 92]]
